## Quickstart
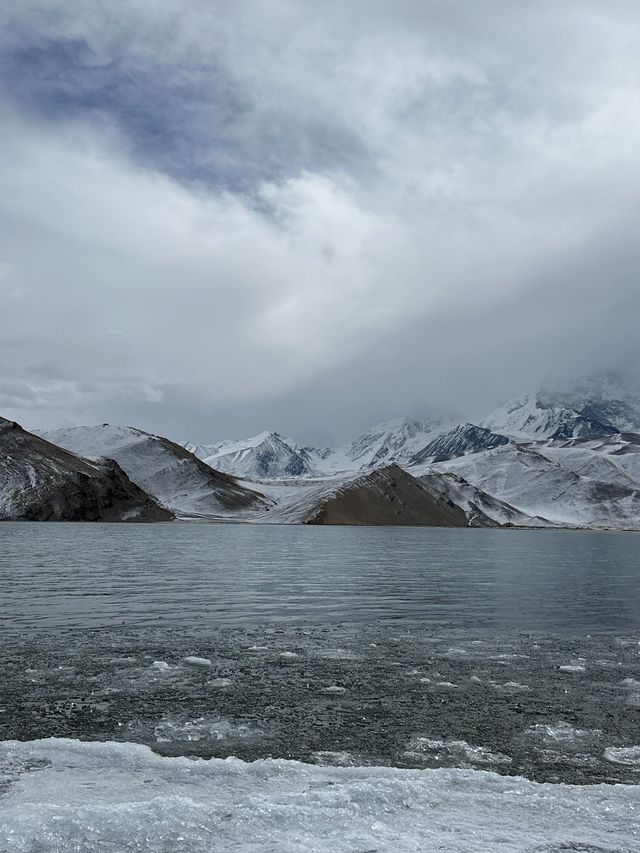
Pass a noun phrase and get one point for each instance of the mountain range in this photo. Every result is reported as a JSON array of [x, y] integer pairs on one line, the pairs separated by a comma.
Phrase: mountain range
[[554, 457], [599, 406]]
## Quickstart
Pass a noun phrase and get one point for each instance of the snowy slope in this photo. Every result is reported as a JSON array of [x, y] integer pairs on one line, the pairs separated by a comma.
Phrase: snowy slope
[[174, 477], [41, 482], [268, 454], [595, 406], [480, 508], [620, 452], [294, 500], [605, 398], [576, 488], [388, 495], [611, 459], [531, 417], [392, 442]]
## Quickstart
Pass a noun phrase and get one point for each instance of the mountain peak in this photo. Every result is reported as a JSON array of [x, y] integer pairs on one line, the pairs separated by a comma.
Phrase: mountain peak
[[597, 405]]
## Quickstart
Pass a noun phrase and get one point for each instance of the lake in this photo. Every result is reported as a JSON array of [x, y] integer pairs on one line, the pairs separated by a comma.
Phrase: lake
[[92, 575], [367, 653]]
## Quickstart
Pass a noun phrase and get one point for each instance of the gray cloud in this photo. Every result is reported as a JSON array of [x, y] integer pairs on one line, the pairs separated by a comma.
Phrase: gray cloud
[[223, 219]]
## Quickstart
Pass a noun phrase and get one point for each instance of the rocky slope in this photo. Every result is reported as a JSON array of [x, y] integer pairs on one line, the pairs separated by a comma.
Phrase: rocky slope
[[462, 439], [386, 496], [42, 482], [165, 470]]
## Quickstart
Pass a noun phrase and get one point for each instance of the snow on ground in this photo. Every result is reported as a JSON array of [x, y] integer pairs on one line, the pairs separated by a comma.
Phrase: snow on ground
[[623, 470], [563, 487], [295, 499], [63, 795]]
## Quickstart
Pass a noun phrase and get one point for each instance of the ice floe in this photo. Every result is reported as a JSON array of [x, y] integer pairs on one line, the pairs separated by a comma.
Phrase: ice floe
[[561, 732], [334, 758], [459, 751], [627, 755], [174, 729], [193, 660]]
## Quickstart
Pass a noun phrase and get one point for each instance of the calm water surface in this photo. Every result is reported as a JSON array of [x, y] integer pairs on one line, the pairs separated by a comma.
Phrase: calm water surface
[[515, 651], [190, 574]]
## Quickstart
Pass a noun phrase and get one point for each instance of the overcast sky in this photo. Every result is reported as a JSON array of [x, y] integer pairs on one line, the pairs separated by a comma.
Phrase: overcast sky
[[223, 217]]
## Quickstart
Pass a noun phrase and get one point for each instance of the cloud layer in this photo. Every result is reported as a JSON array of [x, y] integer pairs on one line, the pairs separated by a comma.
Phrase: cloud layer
[[218, 218]]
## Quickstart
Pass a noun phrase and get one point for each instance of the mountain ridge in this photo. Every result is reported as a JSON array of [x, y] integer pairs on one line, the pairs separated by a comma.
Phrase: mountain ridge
[[40, 481], [559, 457], [164, 469]]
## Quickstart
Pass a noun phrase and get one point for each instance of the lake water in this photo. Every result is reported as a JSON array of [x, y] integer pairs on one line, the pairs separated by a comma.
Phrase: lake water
[[367, 653], [92, 575]]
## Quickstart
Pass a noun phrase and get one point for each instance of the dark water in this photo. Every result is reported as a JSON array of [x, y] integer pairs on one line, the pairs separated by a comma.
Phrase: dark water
[[54, 575], [511, 651]]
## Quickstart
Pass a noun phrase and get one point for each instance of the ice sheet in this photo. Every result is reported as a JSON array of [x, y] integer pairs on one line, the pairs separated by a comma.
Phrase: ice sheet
[[61, 795]]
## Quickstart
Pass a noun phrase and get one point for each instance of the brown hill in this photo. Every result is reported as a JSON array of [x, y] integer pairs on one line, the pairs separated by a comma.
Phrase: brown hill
[[386, 496]]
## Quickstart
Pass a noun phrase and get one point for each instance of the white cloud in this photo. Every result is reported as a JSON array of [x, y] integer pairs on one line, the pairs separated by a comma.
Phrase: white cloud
[[448, 167]]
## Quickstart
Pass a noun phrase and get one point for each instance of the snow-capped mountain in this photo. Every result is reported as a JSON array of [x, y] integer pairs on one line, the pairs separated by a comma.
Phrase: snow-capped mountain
[[578, 483], [271, 455], [395, 442], [562, 456], [268, 455], [462, 439], [165, 470], [42, 482], [392, 442], [600, 405], [532, 418]]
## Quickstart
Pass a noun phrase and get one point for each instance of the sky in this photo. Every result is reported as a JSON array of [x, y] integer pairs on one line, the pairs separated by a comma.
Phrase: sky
[[218, 218]]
